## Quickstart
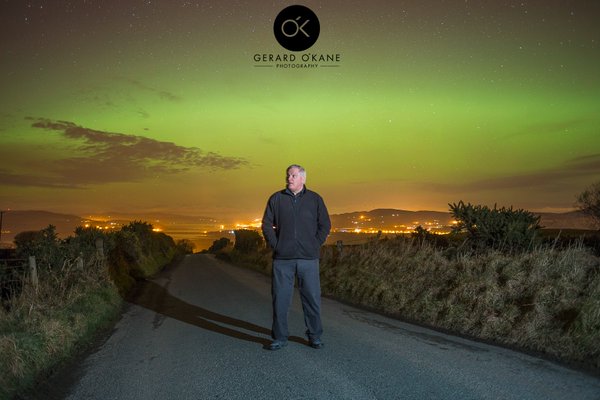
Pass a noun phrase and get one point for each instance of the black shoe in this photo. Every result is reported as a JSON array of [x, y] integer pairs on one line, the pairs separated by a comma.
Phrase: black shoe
[[317, 344], [276, 345]]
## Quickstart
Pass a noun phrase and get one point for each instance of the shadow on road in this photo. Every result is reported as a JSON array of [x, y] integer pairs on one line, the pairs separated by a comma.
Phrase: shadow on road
[[157, 298]]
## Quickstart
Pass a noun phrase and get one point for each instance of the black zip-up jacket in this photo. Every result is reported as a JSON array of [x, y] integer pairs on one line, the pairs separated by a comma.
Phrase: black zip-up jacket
[[296, 226]]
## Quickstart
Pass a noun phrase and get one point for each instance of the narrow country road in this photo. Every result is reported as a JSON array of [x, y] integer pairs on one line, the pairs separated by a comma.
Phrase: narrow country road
[[198, 331]]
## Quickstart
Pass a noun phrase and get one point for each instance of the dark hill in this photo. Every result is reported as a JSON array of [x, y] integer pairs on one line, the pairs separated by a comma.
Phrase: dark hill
[[14, 222]]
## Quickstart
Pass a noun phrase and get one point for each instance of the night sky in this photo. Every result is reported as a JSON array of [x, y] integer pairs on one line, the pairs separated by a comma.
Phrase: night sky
[[120, 106]]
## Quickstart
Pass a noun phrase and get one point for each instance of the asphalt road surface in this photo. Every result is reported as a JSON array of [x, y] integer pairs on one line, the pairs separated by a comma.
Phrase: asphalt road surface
[[199, 331]]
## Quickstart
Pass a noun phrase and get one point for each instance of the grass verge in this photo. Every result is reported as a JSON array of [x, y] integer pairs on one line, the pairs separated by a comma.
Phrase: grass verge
[[41, 331], [44, 326], [546, 300]]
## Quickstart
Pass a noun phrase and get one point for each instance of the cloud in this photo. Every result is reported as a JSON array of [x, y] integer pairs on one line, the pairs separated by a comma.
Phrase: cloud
[[105, 157], [127, 98], [589, 164], [551, 179], [163, 94], [10, 178], [550, 128]]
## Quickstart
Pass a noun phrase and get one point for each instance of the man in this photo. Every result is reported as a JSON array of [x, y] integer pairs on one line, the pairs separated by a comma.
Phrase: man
[[295, 225]]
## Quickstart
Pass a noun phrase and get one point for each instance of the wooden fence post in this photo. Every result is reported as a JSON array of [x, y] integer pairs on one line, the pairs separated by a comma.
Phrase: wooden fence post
[[33, 272]]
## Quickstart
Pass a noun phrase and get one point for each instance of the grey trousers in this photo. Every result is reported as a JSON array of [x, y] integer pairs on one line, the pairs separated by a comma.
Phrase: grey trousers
[[282, 289]]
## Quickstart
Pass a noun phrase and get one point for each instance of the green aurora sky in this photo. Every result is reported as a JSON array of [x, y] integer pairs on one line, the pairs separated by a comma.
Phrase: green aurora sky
[[159, 106]]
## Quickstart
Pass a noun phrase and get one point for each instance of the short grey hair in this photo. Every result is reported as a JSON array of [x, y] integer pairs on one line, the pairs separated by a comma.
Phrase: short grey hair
[[301, 169]]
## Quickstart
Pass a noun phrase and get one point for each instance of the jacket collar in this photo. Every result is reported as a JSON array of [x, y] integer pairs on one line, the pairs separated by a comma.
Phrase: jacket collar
[[300, 193]]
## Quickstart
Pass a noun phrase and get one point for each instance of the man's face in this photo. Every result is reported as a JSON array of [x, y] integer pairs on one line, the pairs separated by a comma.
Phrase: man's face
[[294, 180]]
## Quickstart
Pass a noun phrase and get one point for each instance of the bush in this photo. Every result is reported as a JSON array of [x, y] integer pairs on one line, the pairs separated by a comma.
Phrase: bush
[[44, 245], [588, 202], [138, 252], [247, 241], [219, 245], [185, 246], [424, 236], [497, 228]]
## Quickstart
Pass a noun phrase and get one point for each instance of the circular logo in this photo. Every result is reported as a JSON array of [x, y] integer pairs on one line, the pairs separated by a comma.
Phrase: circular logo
[[296, 28]]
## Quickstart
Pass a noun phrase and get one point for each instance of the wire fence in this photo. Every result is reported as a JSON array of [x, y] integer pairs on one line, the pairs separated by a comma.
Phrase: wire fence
[[17, 273]]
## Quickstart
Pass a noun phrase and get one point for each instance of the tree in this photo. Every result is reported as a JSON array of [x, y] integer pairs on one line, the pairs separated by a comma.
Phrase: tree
[[588, 202], [497, 228]]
